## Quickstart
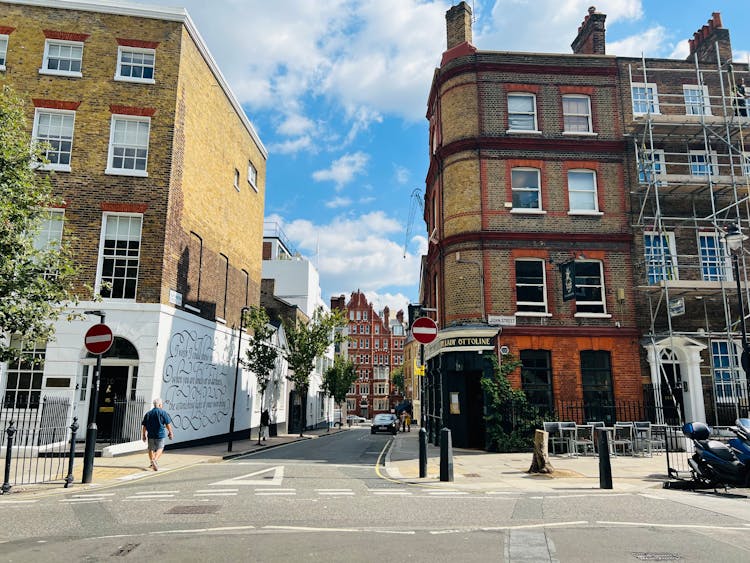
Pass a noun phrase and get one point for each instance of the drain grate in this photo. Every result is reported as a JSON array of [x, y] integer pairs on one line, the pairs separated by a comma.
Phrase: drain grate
[[646, 556], [194, 509]]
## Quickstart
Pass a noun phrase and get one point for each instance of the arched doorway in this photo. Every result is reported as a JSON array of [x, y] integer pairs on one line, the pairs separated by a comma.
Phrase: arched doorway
[[671, 388], [117, 384]]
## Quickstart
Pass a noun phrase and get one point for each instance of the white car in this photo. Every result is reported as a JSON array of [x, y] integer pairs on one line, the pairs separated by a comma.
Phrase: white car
[[354, 419]]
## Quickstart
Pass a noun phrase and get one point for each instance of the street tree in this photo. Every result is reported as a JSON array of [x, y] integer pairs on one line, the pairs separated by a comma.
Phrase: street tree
[[261, 354], [398, 380], [306, 342], [36, 277], [338, 378]]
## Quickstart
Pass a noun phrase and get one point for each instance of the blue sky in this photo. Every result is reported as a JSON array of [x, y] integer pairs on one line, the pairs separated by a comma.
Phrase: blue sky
[[337, 90]]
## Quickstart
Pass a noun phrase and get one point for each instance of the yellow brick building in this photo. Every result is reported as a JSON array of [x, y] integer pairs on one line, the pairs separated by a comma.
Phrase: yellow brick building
[[163, 179]]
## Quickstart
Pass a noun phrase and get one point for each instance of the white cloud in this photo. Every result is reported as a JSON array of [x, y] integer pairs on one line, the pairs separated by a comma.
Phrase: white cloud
[[681, 50], [741, 56], [401, 174], [648, 43], [338, 202], [292, 146], [295, 125], [356, 252], [343, 170]]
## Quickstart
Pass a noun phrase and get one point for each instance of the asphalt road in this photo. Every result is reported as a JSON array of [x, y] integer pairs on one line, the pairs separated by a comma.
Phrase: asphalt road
[[329, 500]]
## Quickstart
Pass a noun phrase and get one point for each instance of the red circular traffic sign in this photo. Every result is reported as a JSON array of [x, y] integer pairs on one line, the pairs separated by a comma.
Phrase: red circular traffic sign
[[424, 330], [98, 339]]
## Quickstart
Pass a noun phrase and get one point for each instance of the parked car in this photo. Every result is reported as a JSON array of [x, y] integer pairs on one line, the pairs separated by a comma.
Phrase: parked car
[[354, 419], [385, 423]]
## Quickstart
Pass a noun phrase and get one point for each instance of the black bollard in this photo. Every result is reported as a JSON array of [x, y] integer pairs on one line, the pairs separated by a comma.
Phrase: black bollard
[[605, 467], [8, 455], [422, 452], [72, 455], [446, 455]]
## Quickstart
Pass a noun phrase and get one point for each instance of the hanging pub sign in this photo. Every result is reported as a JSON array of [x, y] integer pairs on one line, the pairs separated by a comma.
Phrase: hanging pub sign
[[568, 276]]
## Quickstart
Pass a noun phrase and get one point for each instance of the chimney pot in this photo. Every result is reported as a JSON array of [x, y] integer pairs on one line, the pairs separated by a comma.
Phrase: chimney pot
[[591, 34], [458, 25], [704, 42]]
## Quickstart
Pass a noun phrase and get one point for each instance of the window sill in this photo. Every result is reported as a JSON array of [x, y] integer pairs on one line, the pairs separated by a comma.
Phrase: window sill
[[524, 211], [592, 316], [60, 73], [580, 134], [532, 314], [192, 309], [587, 213], [523, 132], [253, 186], [134, 80], [55, 167], [122, 172], [220, 320]]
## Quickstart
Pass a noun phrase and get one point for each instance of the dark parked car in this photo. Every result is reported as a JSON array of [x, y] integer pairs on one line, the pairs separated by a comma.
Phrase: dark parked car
[[384, 423]]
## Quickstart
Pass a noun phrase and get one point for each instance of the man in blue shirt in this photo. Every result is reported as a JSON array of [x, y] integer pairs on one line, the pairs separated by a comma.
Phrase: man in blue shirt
[[156, 426]]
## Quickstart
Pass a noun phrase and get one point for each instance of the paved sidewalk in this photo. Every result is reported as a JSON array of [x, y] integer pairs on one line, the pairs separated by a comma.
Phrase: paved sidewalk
[[478, 470], [132, 466]]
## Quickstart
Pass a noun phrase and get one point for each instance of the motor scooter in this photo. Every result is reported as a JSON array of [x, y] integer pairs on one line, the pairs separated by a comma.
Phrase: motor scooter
[[714, 464], [740, 445]]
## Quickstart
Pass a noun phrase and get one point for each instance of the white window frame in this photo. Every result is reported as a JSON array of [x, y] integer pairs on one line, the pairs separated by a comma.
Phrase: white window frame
[[106, 216], [51, 229], [643, 101], [56, 72], [715, 261], [709, 163], [537, 304], [696, 99], [602, 303], [236, 181], [38, 113], [745, 163], [589, 126], [594, 192], [657, 158], [524, 114], [121, 50], [658, 266], [111, 169], [520, 190], [252, 175], [4, 40], [733, 380]]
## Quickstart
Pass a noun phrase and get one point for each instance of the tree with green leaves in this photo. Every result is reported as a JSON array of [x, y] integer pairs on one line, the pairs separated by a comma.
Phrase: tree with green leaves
[[261, 354], [398, 380], [306, 342], [510, 419], [36, 280], [338, 378]]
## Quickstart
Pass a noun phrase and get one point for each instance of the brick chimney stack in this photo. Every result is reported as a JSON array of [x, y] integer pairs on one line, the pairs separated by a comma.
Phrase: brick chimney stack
[[458, 20], [590, 39], [703, 43]]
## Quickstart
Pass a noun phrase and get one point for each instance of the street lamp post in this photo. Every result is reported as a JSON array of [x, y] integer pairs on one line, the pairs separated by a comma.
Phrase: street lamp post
[[734, 239], [91, 428], [236, 377]]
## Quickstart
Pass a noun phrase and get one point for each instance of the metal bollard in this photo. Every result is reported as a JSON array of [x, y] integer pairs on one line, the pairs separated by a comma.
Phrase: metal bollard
[[10, 431], [72, 456], [446, 455], [422, 452], [605, 467]]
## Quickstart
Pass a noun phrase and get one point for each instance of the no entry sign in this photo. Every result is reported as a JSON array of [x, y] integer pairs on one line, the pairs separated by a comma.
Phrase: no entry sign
[[98, 339], [424, 330]]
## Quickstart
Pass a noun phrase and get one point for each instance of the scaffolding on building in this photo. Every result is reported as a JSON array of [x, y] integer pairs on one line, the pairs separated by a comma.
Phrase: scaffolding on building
[[689, 134]]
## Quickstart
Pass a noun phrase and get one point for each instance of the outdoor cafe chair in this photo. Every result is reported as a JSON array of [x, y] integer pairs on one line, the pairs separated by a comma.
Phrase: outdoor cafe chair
[[584, 438], [645, 441], [555, 437], [568, 434], [622, 437]]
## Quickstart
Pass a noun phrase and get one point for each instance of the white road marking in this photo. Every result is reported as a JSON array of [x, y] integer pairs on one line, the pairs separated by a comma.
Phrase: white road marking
[[583, 495], [134, 476], [278, 476], [447, 493], [217, 494], [275, 493], [336, 493], [94, 495], [18, 501], [676, 526], [85, 500], [217, 490], [146, 493], [391, 493], [515, 493]]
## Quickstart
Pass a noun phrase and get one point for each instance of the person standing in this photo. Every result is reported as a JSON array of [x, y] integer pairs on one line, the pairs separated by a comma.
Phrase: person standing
[[156, 426], [741, 94], [265, 421], [407, 421], [403, 421]]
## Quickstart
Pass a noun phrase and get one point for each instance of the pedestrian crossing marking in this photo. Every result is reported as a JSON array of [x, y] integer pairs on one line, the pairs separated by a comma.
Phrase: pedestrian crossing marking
[[278, 476]]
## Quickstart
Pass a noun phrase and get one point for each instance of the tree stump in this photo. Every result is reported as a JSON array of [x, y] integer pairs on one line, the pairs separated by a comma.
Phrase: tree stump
[[540, 463]]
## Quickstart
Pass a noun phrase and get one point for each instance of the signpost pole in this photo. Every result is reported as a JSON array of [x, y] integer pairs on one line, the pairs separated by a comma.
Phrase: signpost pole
[[91, 429]]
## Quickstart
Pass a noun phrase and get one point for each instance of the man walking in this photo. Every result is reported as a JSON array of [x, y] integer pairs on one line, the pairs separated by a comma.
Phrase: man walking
[[156, 426]]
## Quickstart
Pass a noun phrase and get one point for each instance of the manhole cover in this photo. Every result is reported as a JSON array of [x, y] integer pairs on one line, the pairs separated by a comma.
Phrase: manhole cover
[[657, 556], [194, 509]]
